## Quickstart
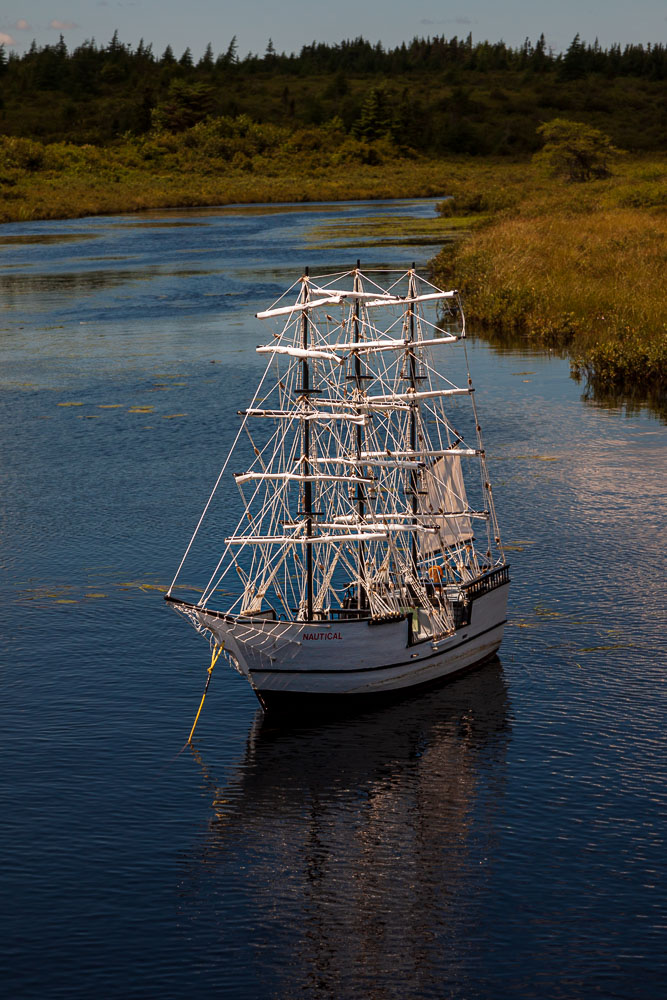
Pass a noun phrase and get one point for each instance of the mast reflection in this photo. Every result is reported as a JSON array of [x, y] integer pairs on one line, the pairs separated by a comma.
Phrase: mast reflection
[[361, 844]]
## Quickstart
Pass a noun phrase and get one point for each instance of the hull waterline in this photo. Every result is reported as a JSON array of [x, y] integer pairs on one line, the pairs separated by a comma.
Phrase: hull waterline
[[286, 661]]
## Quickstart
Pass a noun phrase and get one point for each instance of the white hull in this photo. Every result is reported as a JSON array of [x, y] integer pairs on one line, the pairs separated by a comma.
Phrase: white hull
[[353, 657]]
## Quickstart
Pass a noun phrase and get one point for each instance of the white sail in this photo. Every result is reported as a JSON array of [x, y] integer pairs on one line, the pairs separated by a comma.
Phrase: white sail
[[298, 477], [360, 536], [390, 345], [317, 415], [413, 396], [420, 454], [445, 497], [332, 297], [298, 352]]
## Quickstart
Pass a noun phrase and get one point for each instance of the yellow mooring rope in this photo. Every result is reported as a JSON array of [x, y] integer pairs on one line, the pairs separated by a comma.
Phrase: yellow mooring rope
[[215, 654]]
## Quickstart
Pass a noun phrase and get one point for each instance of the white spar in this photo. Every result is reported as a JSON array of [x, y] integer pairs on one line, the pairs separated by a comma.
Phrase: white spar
[[334, 297]]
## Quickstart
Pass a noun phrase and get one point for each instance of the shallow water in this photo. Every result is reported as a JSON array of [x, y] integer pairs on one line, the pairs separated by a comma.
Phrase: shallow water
[[503, 836]]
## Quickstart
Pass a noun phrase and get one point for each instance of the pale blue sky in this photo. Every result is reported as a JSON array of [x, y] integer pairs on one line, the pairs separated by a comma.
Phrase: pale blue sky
[[292, 23]]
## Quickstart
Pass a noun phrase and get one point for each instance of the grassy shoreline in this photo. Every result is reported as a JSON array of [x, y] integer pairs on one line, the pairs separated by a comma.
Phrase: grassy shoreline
[[62, 181], [576, 267]]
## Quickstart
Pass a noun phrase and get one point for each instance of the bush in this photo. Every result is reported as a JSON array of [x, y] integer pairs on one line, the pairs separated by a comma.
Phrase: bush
[[575, 151], [21, 154]]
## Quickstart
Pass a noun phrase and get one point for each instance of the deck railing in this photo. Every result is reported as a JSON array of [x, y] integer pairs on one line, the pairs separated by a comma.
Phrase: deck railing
[[496, 578]]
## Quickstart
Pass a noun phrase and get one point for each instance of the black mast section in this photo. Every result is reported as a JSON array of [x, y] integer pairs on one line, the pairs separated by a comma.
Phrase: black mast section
[[307, 486]]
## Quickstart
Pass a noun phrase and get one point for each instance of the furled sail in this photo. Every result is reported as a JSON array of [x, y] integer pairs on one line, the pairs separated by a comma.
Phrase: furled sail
[[445, 494]]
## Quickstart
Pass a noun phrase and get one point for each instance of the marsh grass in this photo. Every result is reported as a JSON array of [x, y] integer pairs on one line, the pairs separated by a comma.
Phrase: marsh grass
[[575, 267], [63, 196], [64, 181]]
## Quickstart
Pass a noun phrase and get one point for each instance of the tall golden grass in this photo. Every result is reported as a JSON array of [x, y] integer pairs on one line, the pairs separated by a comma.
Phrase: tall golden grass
[[574, 266]]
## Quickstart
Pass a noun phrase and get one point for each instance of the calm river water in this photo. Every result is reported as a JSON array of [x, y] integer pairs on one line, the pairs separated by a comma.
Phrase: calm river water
[[501, 837]]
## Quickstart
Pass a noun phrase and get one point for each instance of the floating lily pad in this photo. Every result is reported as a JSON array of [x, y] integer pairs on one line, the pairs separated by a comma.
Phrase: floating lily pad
[[601, 649], [547, 612]]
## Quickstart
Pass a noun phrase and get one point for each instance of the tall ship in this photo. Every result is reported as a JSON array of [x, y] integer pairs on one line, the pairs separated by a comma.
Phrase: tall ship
[[367, 558]]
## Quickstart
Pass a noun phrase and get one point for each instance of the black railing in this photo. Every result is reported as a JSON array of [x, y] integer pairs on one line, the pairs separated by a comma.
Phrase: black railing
[[496, 578]]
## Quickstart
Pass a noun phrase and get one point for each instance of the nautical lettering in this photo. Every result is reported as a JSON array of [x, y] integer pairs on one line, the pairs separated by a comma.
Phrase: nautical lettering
[[321, 635]]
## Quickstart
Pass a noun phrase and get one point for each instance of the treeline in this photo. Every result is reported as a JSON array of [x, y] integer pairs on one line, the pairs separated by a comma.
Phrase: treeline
[[439, 54], [433, 95], [53, 65]]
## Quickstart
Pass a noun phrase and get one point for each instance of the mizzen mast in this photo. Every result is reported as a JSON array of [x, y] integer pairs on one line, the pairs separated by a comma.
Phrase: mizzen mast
[[362, 599]]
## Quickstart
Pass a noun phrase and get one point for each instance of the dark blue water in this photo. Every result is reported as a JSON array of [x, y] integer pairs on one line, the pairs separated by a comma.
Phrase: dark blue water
[[503, 836]]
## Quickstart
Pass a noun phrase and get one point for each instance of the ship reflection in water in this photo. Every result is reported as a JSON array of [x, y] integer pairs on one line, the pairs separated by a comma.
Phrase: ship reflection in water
[[355, 853]]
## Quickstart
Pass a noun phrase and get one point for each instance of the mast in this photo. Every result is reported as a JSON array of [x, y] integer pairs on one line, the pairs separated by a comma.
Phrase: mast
[[361, 592], [412, 370], [307, 486]]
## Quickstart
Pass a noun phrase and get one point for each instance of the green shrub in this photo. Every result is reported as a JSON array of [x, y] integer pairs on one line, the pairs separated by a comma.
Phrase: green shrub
[[21, 154]]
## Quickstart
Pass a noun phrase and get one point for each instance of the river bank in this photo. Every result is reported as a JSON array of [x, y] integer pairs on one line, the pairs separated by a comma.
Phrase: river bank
[[61, 181], [573, 267]]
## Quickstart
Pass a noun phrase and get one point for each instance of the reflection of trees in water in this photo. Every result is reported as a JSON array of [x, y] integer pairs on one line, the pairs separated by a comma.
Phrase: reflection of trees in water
[[630, 402], [359, 843], [594, 392]]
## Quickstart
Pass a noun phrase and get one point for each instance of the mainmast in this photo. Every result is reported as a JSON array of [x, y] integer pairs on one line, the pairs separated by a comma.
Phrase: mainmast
[[305, 457], [412, 372], [361, 506]]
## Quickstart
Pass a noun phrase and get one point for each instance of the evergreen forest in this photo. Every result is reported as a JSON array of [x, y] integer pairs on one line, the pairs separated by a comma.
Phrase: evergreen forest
[[436, 96]]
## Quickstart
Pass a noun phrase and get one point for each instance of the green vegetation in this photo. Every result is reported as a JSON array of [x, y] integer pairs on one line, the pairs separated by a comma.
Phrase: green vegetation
[[575, 151], [575, 267], [217, 162], [437, 96]]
